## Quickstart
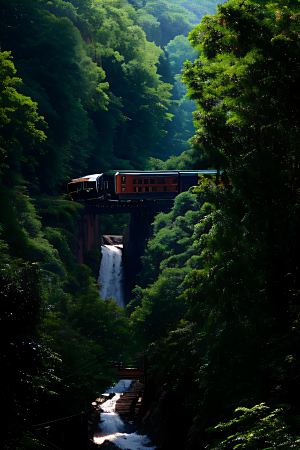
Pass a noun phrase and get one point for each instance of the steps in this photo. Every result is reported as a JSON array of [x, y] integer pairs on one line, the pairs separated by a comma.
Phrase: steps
[[130, 401]]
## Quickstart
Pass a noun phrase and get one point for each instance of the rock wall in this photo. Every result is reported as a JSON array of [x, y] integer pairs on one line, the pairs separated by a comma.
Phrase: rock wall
[[89, 238], [162, 417]]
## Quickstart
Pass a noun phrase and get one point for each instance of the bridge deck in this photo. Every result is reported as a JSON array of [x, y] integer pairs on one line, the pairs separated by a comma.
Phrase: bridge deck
[[97, 206], [132, 373]]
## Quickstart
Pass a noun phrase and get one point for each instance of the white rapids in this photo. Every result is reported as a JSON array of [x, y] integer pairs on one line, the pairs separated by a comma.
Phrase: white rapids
[[112, 428], [111, 274]]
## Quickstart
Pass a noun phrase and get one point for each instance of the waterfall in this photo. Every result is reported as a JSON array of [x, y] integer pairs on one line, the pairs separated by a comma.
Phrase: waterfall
[[111, 274]]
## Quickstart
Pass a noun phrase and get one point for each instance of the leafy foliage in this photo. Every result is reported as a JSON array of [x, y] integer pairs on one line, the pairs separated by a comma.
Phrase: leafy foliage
[[238, 337], [82, 87], [167, 260], [50, 357], [26, 378], [179, 50], [173, 19], [80, 107], [258, 427], [18, 117]]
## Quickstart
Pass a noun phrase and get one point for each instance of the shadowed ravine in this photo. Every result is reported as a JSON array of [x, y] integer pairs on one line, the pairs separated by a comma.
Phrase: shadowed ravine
[[112, 428]]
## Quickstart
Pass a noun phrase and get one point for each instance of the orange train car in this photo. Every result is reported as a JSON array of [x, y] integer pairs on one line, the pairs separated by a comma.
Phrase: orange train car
[[146, 185]]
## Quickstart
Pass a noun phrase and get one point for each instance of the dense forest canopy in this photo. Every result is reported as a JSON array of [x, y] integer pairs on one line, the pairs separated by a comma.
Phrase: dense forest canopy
[[226, 293], [82, 88], [103, 89], [89, 86]]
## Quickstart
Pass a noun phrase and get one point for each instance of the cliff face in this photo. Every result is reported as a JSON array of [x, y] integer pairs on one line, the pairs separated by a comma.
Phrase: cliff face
[[89, 241], [162, 417]]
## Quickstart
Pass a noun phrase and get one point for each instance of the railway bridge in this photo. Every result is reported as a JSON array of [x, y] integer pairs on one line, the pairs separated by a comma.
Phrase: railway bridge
[[100, 206], [132, 373], [136, 235]]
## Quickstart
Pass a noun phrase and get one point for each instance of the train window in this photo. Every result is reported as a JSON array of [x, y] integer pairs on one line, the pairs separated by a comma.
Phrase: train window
[[152, 180], [123, 189], [165, 188], [154, 189], [175, 181], [146, 181], [139, 189], [72, 187], [161, 181], [100, 183], [134, 181], [123, 179], [140, 181], [135, 189], [147, 189]]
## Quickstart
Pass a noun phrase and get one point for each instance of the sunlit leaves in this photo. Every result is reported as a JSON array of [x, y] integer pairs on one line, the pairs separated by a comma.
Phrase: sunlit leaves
[[258, 427], [18, 114], [243, 52]]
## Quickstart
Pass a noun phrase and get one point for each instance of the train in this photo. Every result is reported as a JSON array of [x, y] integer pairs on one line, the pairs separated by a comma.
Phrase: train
[[135, 185]]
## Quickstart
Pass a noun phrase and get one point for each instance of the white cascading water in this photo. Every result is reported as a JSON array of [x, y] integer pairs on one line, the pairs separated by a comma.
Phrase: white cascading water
[[111, 274], [113, 428]]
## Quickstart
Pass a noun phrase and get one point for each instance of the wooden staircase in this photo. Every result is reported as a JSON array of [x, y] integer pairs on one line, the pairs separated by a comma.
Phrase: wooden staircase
[[130, 401]]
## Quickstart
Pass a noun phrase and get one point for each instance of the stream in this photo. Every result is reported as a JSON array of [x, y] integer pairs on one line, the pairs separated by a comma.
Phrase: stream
[[113, 428]]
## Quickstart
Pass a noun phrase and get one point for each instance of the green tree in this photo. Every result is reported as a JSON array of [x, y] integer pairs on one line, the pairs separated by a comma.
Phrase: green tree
[[170, 255], [63, 80], [179, 50], [243, 85], [241, 289], [174, 19], [28, 368], [18, 117], [139, 100], [259, 427], [199, 8]]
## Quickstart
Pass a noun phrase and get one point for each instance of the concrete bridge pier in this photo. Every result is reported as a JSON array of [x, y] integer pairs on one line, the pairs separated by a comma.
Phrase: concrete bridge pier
[[134, 243]]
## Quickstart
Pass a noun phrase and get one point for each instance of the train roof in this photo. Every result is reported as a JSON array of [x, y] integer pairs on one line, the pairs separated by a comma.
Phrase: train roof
[[147, 172], [166, 172], [92, 177], [197, 172]]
